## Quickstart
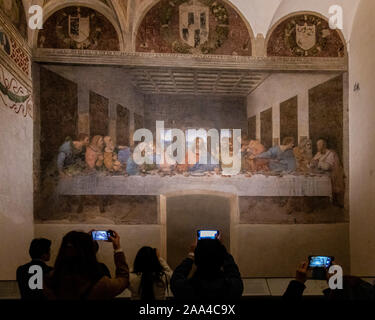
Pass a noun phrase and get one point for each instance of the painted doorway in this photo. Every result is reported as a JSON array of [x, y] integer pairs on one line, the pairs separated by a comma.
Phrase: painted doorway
[[183, 213]]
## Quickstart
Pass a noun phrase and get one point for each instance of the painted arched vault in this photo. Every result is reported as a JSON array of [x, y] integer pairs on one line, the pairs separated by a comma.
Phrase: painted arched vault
[[194, 27], [15, 11], [304, 35], [78, 28]]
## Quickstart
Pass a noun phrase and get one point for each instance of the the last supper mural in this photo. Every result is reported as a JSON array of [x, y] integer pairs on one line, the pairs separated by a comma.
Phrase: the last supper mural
[[88, 173], [87, 170]]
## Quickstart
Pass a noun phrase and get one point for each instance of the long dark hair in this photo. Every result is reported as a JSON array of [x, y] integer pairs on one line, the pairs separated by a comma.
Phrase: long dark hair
[[75, 261], [148, 265]]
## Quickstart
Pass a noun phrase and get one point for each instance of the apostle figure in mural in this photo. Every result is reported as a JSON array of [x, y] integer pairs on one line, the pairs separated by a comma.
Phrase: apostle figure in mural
[[281, 158], [328, 161], [303, 154], [124, 154], [200, 166], [184, 168], [253, 149], [111, 161], [70, 156], [132, 168], [94, 153]]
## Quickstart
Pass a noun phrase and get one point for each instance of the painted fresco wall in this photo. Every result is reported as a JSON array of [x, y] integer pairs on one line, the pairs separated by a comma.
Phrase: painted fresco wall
[[15, 11], [294, 105], [195, 26], [306, 35], [307, 108], [98, 135], [16, 140], [78, 28], [187, 111], [71, 107]]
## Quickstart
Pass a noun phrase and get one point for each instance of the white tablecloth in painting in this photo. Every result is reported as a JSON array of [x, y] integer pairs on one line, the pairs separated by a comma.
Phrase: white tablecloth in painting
[[257, 185]]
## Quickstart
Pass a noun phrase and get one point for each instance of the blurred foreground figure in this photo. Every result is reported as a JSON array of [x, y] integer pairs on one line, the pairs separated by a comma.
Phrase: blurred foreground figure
[[77, 274], [40, 254], [216, 278]]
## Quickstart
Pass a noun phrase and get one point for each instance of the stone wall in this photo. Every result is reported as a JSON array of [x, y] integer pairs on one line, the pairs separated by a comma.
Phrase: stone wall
[[362, 138], [16, 142]]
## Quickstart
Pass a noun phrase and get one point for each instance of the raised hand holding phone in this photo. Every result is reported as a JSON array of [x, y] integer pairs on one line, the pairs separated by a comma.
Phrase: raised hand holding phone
[[115, 239], [301, 273]]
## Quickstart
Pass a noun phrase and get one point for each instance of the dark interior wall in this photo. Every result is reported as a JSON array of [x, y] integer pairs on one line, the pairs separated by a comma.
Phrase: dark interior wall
[[183, 112], [266, 128], [326, 114], [289, 119], [58, 113], [99, 116], [108, 209], [289, 210], [138, 121], [122, 126], [189, 213], [252, 128]]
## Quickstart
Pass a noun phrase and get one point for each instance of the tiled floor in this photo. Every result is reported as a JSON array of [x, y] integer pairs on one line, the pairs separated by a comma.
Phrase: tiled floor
[[252, 288]]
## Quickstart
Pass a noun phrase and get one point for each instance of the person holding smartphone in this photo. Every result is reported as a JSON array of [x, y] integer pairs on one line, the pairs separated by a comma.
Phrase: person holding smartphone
[[354, 288], [217, 277], [77, 276]]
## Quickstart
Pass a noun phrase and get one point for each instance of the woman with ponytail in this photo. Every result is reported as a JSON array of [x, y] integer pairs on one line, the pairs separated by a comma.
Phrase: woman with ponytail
[[150, 277]]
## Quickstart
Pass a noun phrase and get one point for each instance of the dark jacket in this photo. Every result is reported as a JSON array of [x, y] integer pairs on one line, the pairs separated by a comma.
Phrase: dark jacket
[[104, 270], [77, 287], [23, 277], [294, 291], [225, 285]]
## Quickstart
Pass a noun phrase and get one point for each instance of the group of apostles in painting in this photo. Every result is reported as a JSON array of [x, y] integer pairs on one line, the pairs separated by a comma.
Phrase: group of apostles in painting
[[99, 154]]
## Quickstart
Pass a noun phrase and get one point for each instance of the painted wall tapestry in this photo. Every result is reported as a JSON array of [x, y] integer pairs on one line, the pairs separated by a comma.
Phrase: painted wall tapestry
[[122, 126], [252, 128], [266, 128], [15, 11], [289, 119], [13, 95], [78, 28], [194, 27], [305, 35], [12, 48], [4, 42]]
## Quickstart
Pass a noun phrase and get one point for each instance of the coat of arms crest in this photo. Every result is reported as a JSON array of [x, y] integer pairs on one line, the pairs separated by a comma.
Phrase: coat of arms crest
[[79, 27], [306, 36], [194, 23]]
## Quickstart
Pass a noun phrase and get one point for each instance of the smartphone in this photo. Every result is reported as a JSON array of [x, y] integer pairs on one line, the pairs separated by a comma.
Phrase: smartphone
[[101, 235], [207, 234], [320, 262]]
